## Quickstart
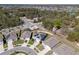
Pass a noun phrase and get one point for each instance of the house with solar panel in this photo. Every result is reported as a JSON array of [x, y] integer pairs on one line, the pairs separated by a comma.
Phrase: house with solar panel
[[39, 36]]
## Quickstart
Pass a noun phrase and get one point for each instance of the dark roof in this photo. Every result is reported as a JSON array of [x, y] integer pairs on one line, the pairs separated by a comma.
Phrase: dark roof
[[41, 36]]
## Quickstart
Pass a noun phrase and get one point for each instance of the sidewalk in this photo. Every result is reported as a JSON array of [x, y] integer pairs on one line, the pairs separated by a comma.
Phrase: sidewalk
[[24, 44]]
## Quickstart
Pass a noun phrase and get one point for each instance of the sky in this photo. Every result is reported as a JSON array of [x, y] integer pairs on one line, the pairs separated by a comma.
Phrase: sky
[[39, 1]]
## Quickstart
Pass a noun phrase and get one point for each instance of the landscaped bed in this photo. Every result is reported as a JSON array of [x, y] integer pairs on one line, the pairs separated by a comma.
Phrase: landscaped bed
[[40, 46], [18, 42], [5, 46], [31, 41]]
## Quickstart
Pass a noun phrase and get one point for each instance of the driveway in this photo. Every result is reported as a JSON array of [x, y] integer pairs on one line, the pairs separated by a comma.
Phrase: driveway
[[10, 45]]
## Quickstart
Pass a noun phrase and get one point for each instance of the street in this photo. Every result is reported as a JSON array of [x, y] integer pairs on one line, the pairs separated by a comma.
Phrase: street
[[23, 49]]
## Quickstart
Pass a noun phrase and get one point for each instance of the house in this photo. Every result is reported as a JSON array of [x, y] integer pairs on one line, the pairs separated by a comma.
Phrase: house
[[5, 32], [33, 27], [36, 37], [1, 38], [25, 35], [39, 36], [12, 36], [35, 19], [54, 29]]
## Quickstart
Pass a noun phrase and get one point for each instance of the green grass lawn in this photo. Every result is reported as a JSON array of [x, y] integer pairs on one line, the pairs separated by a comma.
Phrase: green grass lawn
[[5, 45], [31, 41], [18, 42], [40, 46]]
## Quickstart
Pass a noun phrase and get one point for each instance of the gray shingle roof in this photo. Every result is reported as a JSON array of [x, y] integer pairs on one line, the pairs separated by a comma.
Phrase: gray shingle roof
[[12, 36], [26, 34]]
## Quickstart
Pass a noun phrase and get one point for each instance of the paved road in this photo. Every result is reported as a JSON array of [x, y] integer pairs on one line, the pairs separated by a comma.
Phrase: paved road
[[64, 40], [23, 49]]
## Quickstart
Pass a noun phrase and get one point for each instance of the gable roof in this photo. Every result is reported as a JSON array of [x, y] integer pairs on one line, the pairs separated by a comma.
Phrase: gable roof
[[26, 34], [12, 36]]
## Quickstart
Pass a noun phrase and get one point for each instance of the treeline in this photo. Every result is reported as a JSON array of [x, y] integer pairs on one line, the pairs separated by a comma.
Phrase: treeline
[[8, 19]]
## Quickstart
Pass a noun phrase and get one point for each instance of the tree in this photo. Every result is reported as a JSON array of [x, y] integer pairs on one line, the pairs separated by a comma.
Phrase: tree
[[48, 23], [73, 36], [57, 23]]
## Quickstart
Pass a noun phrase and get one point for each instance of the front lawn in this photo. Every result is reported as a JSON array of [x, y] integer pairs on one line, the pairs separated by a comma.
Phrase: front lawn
[[18, 42], [5, 45], [40, 46]]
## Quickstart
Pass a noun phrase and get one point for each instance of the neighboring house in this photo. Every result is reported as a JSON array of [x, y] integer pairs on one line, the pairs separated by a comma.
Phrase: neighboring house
[[1, 40], [33, 27], [39, 36], [35, 19], [12, 36], [64, 49], [5, 32], [54, 29], [25, 35]]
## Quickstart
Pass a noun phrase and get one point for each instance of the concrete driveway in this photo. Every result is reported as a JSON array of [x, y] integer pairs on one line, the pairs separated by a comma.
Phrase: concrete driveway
[[10, 45]]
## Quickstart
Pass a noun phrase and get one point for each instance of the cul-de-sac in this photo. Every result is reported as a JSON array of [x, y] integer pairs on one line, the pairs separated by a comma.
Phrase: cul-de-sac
[[37, 29]]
